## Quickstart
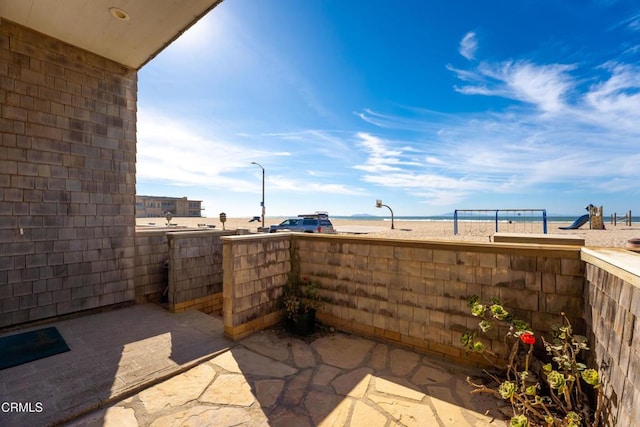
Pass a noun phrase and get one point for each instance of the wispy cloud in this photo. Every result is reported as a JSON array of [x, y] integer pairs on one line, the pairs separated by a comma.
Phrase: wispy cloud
[[614, 102], [631, 23], [544, 86], [171, 152], [332, 144], [174, 153], [576, 133], [381, 158], [469, 46], [394, 122], [296, 183]]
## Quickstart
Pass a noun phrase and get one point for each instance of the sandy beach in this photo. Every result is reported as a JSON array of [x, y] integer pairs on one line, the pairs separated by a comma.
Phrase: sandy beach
[[612, 236]]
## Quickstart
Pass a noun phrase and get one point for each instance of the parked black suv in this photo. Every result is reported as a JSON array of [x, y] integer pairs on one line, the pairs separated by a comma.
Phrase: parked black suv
[[311, 223]]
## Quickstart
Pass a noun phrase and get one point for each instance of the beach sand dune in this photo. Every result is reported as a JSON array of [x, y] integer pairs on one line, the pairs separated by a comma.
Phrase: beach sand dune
[[613, 236]]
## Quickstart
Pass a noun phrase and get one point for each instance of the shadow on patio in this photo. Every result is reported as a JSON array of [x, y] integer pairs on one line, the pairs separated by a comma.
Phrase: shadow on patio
[[273, 379], [113, 353]]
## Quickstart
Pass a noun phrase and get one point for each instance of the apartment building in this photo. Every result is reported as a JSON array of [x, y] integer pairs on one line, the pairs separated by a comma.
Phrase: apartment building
[[158, 206]]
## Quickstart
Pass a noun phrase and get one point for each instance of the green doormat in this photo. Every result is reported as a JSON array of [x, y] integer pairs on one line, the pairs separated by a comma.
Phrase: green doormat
[[29, 346]]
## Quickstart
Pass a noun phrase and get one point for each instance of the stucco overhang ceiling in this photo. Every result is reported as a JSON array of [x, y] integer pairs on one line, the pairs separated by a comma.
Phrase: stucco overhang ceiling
[[130, 32]]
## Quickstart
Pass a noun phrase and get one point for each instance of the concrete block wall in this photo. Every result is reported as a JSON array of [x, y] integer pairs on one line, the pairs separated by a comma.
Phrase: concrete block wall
[[256, 269], [613, 317], [152, 250], [195, 270], [415, 293], [67, 178], [407, 292]]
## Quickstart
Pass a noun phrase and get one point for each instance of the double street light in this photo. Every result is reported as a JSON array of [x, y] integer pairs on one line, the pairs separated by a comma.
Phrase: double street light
[[261, 203]]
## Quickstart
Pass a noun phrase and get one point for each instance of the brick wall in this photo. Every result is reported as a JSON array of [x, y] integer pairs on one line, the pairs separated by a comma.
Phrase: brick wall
[[408, 292], [67, 178], [415, 293], [152, 250], [613, 313], [195, 270], [256, 269]]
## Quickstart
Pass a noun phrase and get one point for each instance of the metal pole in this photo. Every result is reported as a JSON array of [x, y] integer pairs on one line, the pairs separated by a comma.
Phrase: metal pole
[[379, 205], [455, 222], [392, 226], [262, 203]]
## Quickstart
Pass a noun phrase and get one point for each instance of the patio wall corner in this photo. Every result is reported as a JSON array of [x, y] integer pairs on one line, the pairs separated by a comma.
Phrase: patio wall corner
[[255, 270]]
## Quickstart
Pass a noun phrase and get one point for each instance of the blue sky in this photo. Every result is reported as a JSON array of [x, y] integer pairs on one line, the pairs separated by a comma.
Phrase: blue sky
[[429, 106]]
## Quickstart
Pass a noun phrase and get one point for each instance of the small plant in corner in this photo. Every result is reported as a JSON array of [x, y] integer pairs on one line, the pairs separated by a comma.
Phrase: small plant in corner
[[301, 300], [553, 395]]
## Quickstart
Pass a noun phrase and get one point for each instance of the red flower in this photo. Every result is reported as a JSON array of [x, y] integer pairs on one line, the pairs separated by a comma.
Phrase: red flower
[[528, 338]]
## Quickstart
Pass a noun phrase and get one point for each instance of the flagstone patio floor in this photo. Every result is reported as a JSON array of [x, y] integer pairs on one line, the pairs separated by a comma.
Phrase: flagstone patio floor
[[143, 366]]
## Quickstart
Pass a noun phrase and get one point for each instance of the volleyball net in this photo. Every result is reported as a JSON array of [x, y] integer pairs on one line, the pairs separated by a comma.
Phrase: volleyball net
[[474, 221]]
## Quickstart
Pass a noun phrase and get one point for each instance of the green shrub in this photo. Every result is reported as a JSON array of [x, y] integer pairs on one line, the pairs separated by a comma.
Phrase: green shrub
[[553, 395]]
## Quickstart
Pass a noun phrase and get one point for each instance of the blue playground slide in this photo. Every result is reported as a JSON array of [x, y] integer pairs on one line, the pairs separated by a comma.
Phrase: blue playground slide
[[577, 223]]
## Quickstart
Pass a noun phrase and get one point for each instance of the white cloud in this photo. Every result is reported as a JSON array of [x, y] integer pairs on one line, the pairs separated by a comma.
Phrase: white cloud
[[293, 184], [619, 94], [171, 152], [381, 158], [577, 135], [321, 142], [177, 154], [469, 46], [434, 161], [632, 23], [544, 86]]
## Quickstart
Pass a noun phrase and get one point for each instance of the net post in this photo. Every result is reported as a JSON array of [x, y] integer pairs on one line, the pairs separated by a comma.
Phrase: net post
[[455, 222], [544, 221], [497, 210]]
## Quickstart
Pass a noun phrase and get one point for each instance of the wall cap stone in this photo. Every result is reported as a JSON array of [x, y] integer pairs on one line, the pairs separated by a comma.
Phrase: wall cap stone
[[175, 235], [545, 239], [526, 249], [620, 262], [274, 236]]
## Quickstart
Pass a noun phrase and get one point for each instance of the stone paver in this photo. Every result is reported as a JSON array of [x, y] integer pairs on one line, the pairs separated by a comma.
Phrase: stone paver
[[268, 391], [407, 413], [178, 390], [120, 417], [394, 387], [343, 351], [325, 374], [268, 379], [354, 383], [338, 380], [229, 389], [365, 415], [402, 361], [302, 355]]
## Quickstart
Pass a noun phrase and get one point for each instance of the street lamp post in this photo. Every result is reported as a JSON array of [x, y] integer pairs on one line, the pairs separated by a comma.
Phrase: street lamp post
[[379, 205], [262, 203]]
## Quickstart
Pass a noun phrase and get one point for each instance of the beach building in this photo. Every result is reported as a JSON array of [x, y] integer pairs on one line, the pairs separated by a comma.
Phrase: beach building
[[68, 102], [159, 206]]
